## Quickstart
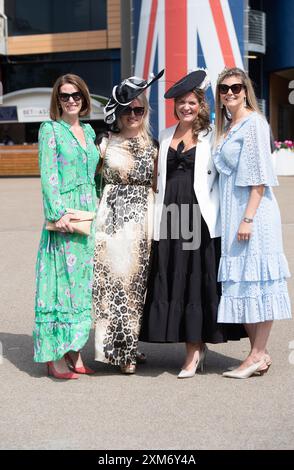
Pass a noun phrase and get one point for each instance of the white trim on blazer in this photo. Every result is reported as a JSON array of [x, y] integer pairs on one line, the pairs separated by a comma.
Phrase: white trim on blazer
[[205, 182]]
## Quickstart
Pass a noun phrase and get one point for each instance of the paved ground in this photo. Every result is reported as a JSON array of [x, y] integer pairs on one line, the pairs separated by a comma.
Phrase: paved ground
[[151, 410]]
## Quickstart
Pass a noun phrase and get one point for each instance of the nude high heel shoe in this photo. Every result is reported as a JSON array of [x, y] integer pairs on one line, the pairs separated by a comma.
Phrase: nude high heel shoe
[[262, 371], [248, 371], [186, 374]]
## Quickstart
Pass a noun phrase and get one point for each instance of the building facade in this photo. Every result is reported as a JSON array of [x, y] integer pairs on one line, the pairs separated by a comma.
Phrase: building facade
[[106, 40], [272, 64], [39, 41]]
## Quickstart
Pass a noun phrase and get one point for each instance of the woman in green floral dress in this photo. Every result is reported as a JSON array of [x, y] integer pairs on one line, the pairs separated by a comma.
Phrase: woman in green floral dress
[[68, 159]]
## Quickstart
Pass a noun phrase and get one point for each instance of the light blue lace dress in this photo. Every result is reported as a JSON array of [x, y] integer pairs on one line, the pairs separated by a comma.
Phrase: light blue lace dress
[[253, 273]]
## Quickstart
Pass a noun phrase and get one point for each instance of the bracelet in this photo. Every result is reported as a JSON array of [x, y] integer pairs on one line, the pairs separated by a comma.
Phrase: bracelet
[[247, 220]]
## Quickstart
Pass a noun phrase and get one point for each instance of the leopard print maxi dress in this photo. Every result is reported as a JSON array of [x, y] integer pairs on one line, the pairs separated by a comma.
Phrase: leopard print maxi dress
[[123, 243]]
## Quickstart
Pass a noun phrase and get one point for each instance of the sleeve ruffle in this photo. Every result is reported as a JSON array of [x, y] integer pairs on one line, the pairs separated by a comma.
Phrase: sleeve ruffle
[[255, 163]]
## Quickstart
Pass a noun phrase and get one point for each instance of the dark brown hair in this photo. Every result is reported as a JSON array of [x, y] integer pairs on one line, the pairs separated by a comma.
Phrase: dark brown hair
[[55, 108], [202, 122]]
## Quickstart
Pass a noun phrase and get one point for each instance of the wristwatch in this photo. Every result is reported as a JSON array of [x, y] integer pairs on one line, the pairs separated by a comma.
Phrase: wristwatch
[[247, 220]]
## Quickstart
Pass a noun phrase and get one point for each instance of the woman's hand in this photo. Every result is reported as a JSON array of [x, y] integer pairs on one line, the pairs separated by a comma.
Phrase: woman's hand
[[245, 231], [63, 224]]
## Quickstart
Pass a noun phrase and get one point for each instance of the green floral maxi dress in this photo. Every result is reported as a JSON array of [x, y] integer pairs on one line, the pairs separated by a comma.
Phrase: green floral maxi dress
[[64, 266]]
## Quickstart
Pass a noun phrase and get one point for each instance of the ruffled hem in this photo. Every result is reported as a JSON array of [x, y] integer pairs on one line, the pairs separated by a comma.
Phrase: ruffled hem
[[126, 359], [163, 324], [53, 339], [253, 268], [163, 321], [254, 309], [62, 314]]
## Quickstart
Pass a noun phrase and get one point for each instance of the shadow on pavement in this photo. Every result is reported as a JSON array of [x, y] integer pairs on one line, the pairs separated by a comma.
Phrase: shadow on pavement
[[161, 358], [170, 357], [18, 349]]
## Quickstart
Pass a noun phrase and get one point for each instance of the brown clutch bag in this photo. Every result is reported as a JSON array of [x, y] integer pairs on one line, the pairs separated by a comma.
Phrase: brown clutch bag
[[82, 225]]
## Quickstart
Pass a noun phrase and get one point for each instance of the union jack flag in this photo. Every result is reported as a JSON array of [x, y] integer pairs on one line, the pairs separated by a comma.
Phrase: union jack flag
[[180, 36]]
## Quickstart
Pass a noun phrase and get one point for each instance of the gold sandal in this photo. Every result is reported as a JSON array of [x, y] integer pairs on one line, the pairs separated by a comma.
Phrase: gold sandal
[[128, 368]]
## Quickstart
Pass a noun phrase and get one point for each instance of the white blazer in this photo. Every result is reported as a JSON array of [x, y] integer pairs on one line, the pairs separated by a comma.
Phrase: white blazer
[[205, 181]]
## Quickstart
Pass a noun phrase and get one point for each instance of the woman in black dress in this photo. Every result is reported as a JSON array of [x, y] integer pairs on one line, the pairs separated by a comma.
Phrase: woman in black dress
[[183, 293]]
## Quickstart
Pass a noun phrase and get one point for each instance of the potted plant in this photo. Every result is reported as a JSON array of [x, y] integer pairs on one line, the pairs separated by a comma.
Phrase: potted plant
[[284, 157], [287, 144]]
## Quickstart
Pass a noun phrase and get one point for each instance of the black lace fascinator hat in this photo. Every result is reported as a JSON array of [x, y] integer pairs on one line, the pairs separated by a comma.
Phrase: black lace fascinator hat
[[124, 93], [198, 79]]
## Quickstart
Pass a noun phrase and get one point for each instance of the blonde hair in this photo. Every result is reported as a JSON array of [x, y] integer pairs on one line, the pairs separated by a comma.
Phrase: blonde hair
[[202, 121], [221, 116], [145, 130], [55, 107]]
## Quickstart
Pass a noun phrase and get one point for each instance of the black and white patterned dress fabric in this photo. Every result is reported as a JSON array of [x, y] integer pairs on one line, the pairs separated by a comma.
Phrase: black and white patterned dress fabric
[[123, 243]]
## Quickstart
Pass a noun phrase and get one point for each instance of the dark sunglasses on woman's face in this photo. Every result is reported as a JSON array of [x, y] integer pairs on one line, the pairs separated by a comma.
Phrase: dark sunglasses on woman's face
[[236, 88], [76, 96], [138, 111]]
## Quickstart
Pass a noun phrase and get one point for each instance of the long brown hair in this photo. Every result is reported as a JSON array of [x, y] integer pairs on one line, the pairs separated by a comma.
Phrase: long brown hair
[[55, 108], [221, 116]]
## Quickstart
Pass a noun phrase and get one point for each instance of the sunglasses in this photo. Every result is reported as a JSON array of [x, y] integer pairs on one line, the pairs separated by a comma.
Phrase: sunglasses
[[138, 111], [65, 97], [236, 88]]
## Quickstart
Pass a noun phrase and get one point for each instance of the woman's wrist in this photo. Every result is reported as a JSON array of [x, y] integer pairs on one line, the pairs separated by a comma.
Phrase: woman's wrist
[[248, 220]]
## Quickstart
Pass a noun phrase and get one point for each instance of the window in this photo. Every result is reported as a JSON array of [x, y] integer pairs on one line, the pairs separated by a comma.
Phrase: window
[[55, 16], [100, 70]]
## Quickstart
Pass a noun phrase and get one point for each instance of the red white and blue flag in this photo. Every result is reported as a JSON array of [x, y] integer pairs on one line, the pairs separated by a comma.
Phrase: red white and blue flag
[[180, 36]]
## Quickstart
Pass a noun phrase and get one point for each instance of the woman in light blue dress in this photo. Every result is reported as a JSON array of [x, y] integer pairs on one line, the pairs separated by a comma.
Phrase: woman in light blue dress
[[253, 268]]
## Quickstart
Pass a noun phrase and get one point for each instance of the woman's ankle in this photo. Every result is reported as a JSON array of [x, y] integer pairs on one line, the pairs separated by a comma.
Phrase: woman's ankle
[[60, 365]]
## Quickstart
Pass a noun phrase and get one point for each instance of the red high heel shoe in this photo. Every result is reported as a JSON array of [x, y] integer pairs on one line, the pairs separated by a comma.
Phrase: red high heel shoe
[[58, 375], [78, 370]]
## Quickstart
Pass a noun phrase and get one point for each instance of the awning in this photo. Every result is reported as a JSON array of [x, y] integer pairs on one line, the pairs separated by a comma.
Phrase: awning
[[32, 105]]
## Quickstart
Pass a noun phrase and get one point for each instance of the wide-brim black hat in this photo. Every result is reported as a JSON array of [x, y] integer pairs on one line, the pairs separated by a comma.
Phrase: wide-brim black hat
[[124, 93], [198, 79]]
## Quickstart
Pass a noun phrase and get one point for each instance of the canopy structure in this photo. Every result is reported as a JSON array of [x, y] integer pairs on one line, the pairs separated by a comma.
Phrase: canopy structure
[[32, 105]]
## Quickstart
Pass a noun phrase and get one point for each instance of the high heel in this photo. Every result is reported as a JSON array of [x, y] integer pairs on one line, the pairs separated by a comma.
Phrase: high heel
[[248, 371], [185, 374], [265, 369], [141, 358], [78, 370], [261, 371], [59, 375], [202, 358], [268, 360]]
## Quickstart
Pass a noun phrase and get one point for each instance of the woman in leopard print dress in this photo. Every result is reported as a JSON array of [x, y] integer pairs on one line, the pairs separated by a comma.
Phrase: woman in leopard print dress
[[123, 236]]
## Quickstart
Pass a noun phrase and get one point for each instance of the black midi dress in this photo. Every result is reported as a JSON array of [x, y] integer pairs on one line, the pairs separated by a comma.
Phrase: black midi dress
[[183, 293]]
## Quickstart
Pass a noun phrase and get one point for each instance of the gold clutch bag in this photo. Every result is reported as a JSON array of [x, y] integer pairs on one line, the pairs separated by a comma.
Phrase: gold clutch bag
[[81, 222]]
